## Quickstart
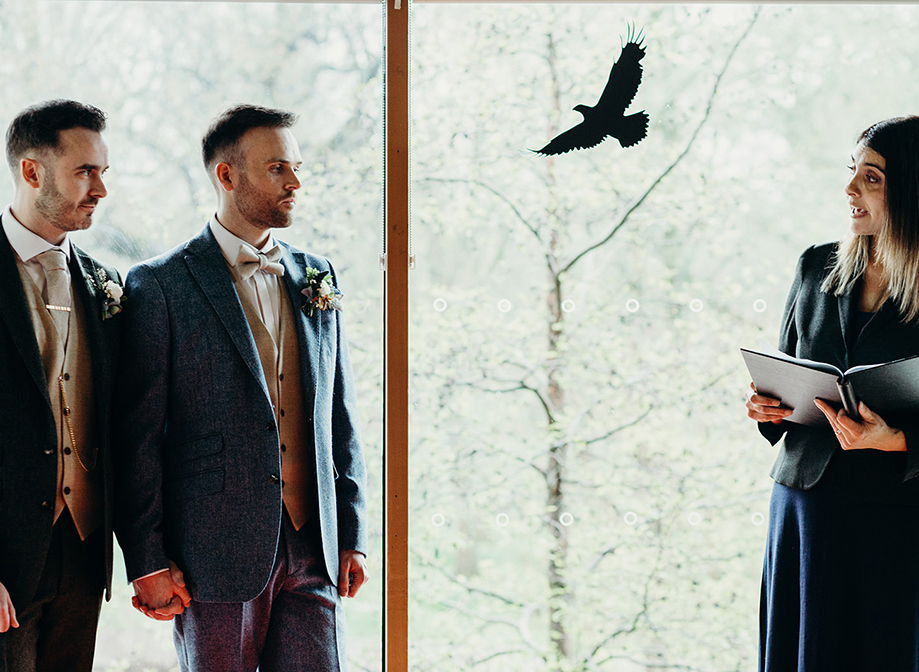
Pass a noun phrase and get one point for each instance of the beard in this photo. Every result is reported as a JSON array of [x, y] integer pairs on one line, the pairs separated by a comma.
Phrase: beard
[[260, 209], [58, 211]]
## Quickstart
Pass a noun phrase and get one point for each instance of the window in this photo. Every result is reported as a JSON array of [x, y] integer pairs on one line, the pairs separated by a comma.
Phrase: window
[[162, 72], [584, 492]]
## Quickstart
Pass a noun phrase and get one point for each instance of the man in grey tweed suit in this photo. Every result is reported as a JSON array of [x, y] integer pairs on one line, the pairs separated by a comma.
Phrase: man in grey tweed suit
[[239, 452]]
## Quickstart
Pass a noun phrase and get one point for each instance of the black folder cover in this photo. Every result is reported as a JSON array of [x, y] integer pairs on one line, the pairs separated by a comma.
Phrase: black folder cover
[[890, 389]]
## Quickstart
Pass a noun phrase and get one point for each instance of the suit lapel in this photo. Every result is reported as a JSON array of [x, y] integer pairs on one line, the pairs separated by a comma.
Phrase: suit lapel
[[887, 312], [85, 280], [83, 273], [309, 329], [209, 269], [15, 313]]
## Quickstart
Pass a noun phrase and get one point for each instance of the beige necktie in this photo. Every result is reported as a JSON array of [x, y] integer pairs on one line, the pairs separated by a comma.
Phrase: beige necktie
[[249, 260], [57, 289]]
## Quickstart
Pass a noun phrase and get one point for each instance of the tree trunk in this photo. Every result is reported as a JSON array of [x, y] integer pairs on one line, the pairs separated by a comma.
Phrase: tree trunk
[[559, 590]]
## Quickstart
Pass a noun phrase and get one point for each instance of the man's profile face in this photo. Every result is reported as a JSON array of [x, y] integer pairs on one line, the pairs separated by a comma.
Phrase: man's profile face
[[71, 184], [264, 191]]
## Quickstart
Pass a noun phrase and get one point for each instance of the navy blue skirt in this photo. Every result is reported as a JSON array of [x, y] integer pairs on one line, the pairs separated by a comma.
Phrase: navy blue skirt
[[841, 575]]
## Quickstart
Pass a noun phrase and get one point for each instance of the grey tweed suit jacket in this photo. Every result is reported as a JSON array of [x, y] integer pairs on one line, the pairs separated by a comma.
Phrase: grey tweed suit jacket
[[198, 469]]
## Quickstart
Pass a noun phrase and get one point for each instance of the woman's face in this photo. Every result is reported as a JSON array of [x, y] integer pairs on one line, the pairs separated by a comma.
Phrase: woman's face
[[867, 192]]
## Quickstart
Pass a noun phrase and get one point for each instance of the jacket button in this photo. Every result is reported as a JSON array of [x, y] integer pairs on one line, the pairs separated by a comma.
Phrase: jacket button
[[274, 478], [67, 451], [46, 505], [66, 376], [49, 451], [283, 448], [66, 490]]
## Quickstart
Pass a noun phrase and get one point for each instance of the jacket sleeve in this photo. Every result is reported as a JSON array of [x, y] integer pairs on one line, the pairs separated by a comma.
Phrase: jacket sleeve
[[912, 451], [788, 341], [347, 452], [139, 425]]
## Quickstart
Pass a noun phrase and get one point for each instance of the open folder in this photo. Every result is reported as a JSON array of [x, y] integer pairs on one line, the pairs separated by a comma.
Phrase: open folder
[[888, 389]]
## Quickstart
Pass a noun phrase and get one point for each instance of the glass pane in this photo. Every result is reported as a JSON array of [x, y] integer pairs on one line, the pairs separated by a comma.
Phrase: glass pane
[[587, 492], [162, 71]]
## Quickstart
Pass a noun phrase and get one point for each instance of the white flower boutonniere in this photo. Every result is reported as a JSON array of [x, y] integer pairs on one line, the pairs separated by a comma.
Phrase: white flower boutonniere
[[114, 294], [320, 293]]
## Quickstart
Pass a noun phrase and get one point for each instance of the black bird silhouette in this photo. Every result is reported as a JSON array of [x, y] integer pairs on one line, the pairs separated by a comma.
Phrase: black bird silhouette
[[606, 118]]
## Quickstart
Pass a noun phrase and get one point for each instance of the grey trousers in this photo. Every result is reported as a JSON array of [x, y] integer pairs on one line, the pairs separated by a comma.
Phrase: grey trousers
[[57, 631], [294, 625]]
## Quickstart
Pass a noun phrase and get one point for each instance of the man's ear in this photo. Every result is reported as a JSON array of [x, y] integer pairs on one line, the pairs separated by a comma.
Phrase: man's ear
[[30, 172], [223, 172]]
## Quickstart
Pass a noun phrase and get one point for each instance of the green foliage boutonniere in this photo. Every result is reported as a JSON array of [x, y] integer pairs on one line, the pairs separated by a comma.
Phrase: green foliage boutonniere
[[113, 294], [320, 293]]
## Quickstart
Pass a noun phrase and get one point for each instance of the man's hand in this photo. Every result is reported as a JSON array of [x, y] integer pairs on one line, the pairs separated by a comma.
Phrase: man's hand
[[352, 573], [162, 595], [7, 611]]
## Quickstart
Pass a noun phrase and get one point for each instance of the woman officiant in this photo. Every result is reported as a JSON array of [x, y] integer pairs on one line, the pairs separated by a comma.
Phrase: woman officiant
[[841, 575]]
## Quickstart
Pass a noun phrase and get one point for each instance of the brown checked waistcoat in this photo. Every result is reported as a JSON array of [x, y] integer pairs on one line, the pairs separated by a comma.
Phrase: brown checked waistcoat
[[281, 366], [68, 372]]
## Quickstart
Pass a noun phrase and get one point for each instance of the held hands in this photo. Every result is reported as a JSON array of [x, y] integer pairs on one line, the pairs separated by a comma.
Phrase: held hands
[[352, 573], [871, 433], [162, 595], [765, 409], [7, 611]]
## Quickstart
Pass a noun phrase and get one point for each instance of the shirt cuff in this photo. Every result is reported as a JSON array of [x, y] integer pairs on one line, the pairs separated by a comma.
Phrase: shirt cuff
[[159, 571]]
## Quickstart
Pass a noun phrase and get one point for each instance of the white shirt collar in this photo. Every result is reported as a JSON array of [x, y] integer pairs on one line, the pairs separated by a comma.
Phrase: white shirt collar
[[229, 242], [27, 244]]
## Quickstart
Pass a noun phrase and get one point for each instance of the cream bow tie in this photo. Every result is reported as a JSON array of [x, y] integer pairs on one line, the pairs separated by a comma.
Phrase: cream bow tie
[[249, 260]]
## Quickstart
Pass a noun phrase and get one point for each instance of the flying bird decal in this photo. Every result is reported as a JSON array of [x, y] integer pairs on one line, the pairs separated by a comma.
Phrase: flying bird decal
[[607, 117]]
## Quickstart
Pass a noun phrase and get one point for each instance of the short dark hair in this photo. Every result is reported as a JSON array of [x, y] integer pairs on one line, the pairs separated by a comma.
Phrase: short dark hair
[[221, 142], [39, 126]]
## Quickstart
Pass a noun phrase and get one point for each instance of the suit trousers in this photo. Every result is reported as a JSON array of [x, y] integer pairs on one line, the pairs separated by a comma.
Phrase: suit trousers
[[57, 631], [294, 625]]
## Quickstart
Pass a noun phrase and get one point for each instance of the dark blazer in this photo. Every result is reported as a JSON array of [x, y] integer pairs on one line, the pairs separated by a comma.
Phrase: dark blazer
[[823, 327], [199, 460], [28, 438]]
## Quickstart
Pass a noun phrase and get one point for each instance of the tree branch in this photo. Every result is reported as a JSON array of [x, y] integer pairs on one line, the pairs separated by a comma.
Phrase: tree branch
[[496, 654], [615, 430], [520, 386], [467, 586], [523, 220]]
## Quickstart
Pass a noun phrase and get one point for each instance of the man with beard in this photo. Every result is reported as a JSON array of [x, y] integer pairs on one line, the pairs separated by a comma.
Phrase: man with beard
[[57, 353], [239, 451]]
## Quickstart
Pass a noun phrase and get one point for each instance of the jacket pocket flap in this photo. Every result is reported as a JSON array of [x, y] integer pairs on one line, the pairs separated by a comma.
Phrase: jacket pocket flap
[[194, 485], [200, 446]]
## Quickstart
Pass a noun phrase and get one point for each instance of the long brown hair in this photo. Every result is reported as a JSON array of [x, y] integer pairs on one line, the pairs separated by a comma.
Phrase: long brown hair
[[896, 246]]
